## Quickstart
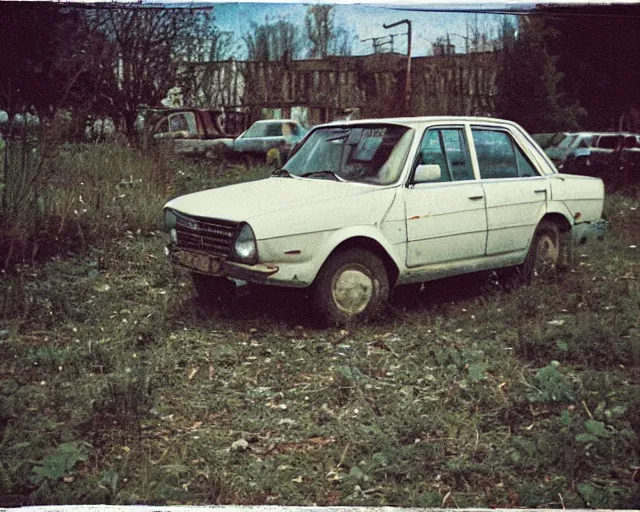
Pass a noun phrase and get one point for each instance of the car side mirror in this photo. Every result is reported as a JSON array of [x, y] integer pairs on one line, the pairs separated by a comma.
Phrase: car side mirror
[[427, 173]]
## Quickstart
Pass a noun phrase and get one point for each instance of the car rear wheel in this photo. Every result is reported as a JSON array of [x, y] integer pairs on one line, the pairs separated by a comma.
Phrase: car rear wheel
[[546, 253], [351, 285]]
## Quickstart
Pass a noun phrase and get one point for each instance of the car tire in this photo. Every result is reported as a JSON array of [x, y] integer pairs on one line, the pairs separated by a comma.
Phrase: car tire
[[352, 285], [213, 290], [547, 253]]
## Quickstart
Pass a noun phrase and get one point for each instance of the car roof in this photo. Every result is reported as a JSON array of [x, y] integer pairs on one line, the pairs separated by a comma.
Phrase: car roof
[[262, 121], [424, 120]]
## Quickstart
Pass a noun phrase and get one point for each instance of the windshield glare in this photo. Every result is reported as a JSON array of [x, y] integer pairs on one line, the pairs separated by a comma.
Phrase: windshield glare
[[367, 154]]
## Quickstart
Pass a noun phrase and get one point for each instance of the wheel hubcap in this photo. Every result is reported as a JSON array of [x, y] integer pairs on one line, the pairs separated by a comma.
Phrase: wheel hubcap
[[547, 255], [353, 288]]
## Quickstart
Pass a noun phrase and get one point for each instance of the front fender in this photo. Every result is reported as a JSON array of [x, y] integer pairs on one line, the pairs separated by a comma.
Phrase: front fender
[[339, 237], [300, 258]]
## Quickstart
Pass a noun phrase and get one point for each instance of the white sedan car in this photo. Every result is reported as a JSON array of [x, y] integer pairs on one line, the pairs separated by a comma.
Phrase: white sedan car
[[364, 206]]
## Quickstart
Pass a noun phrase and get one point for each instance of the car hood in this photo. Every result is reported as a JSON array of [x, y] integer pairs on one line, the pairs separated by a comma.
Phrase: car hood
[[253, 199]]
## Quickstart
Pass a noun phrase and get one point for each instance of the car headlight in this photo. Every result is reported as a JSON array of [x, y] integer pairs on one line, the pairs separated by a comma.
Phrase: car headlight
[[170, 219], [245, 249]]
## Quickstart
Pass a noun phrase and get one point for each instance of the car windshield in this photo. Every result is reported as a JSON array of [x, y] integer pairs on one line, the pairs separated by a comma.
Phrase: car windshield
[[372, 153]]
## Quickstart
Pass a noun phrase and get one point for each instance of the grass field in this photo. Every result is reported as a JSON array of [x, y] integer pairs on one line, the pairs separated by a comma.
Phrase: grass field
[[117, 387]]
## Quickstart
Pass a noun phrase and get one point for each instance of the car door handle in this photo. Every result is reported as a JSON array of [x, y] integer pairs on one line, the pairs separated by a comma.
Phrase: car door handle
[[541, 190], [475, 198]]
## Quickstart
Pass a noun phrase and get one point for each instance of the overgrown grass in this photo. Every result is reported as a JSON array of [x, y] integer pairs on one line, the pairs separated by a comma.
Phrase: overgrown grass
[[82, 195], [117, 387]]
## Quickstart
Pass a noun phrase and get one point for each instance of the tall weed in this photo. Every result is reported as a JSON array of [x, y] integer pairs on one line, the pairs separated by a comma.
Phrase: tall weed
[[60, 200]]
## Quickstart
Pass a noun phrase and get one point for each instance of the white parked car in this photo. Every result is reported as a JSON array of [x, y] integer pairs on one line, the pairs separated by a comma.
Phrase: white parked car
[[364, 206]]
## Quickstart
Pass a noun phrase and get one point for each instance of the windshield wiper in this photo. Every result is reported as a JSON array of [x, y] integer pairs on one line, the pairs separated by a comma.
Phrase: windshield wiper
[[282, 172], [320, 174]]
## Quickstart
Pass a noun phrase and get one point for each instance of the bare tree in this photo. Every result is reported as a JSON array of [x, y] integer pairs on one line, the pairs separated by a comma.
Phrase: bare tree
[[144, 44], [204, 47], [326, 38], [279, 40]]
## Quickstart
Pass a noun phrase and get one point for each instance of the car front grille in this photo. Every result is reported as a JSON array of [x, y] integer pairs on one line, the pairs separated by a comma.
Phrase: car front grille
[[214, 236]]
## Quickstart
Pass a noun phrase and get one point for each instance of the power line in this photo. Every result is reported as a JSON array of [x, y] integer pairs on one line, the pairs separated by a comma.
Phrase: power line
[[379, 41], [624, 11]]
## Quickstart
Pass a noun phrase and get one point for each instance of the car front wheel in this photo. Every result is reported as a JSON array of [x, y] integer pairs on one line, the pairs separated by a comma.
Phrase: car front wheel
[[352, 285]]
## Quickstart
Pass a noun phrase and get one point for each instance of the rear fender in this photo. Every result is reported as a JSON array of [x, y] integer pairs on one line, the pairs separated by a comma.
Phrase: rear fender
[[555, 208]]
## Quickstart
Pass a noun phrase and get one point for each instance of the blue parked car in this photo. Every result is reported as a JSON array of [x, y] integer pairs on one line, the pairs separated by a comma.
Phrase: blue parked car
[[262, 136]]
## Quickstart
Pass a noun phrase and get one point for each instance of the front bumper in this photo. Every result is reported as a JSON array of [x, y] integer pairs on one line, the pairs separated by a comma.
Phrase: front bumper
[[205, 263]]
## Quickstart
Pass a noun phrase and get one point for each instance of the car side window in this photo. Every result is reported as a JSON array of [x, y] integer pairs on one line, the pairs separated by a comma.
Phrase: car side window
[[447, 148], [163, 126], [274, 130], [608, 141], [499, 156], [525, 168], [178, 123], [183, 122]]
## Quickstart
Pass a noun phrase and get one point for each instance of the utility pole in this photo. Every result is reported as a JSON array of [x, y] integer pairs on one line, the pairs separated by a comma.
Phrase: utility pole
[[407, 84]]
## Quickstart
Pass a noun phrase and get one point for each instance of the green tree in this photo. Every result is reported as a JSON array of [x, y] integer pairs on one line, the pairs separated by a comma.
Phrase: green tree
[[529, 85], [40, 58], [598, 48]]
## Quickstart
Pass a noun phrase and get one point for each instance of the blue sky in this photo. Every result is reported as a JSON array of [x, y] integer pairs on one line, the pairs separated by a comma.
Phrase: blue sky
[[365, 21]]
